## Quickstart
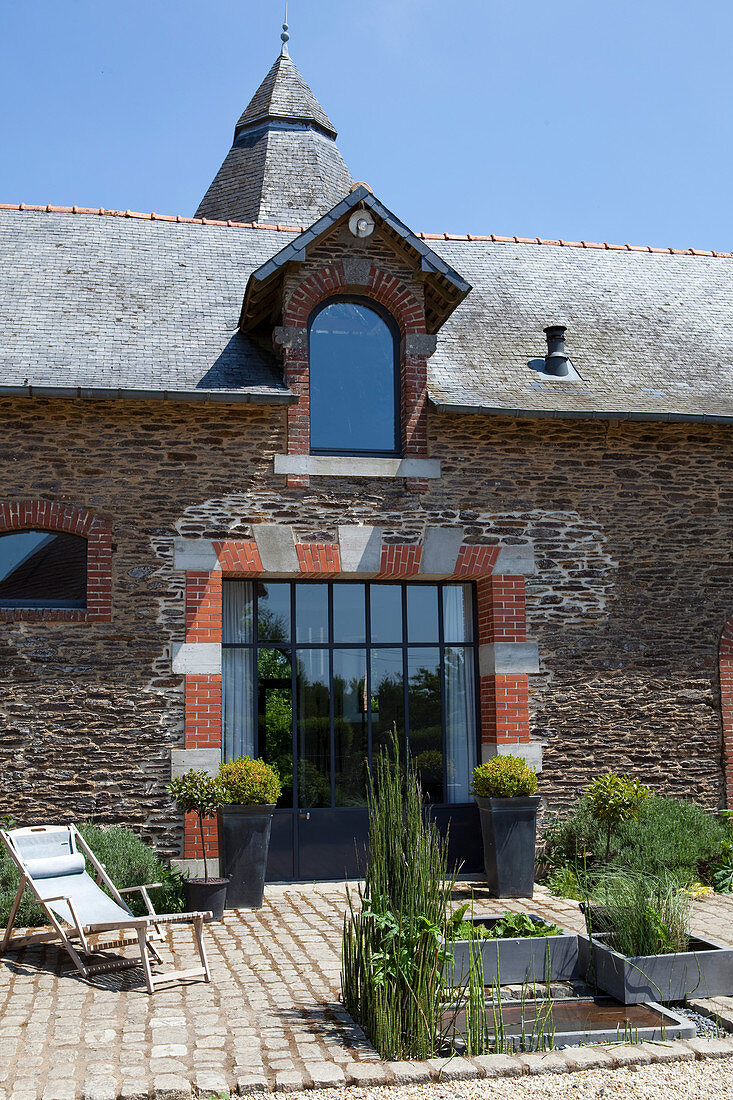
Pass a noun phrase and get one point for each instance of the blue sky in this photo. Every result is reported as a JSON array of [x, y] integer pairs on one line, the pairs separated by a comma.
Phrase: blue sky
[[574, 120]]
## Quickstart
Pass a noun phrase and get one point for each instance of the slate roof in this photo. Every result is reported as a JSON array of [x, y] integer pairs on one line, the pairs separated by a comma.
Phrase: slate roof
[[284, 165], [152, 305]]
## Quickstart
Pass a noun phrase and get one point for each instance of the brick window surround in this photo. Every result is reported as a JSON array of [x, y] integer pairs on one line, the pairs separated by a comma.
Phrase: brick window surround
[[502, 633], [726, 707], [409, 315], [42, 515]]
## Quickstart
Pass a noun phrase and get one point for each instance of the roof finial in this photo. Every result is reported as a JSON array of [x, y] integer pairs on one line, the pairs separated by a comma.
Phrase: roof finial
[[285, 36]]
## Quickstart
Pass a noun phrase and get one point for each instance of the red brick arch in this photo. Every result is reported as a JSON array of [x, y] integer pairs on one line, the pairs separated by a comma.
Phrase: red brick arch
[[409, 314], [47, 515], [726, 706]]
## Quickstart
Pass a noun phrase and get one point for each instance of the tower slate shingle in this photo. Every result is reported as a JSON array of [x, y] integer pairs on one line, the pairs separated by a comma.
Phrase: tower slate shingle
[[284, 165]]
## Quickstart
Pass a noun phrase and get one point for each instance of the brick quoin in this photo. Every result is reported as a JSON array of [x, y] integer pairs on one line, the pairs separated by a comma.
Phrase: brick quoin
[[408, 313], [192, 837], [726, 707], [501, 612], [203, 607], [47, 515]]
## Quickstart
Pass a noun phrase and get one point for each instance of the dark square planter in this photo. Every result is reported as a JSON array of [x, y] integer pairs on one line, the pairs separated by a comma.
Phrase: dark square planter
[[515, 961], [244, 841], [706, 970], [509, 832]]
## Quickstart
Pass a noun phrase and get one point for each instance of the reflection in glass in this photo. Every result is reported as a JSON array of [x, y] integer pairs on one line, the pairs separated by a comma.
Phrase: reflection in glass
[[275, 716], [238, 701], [349, 613], [350, 726], [311, 613], [386, 612], [314, 728], [422, 613], [460, 722], [273, 612], [458, 613], [426, 736], [387, 695], [352, 381], [237, 612], [43, 569]]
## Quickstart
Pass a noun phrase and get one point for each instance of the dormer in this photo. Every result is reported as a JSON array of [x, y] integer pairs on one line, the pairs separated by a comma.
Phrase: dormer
[[354, 305]]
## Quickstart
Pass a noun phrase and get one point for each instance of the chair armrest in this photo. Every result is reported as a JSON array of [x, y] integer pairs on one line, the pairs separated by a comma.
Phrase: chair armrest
[[147, 886], [61, 897]]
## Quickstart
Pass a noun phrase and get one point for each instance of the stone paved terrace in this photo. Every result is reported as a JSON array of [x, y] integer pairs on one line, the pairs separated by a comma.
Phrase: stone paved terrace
[[270, 1018]]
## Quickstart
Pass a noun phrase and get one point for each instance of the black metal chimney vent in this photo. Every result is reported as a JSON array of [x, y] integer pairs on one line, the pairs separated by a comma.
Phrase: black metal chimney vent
[[556, 360]]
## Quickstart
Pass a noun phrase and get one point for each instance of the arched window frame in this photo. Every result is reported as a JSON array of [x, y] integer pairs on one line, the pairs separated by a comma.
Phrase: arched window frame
[[393, 327], [41, 515]]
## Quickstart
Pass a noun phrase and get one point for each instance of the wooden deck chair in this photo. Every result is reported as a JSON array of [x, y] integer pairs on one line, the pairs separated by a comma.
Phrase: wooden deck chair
[[52, 864]]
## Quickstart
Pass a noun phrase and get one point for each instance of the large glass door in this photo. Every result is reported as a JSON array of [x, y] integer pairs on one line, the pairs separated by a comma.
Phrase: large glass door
[[315, 676]]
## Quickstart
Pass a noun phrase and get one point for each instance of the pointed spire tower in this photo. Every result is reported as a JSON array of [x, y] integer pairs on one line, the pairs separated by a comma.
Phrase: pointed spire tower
[[283, 165]]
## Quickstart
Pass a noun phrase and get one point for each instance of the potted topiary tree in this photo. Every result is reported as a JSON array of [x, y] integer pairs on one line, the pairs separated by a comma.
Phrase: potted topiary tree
[[252, 787], [504, 788], [200, 793]]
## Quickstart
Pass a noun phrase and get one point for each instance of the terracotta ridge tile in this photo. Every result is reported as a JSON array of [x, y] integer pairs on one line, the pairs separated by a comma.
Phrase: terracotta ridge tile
[[281, 228]]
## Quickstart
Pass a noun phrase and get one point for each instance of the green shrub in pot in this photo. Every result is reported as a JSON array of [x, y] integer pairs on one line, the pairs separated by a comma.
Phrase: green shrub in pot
[[504, 777], [248, 782]]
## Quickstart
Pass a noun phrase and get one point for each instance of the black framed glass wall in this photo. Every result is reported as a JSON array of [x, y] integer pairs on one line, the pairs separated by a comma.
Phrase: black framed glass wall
[[315, 675]]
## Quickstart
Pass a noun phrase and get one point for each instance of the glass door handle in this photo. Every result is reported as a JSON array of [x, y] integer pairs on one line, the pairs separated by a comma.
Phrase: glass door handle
[[305, 815]]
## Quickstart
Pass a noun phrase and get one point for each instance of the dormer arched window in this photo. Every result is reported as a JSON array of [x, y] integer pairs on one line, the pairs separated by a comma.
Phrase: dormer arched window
[[354, 379]]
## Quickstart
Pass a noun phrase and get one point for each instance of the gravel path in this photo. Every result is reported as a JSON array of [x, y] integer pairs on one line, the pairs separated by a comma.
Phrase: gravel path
[[680, 1080]]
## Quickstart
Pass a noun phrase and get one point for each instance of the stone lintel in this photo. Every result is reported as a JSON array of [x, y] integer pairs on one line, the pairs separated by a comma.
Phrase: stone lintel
[[515, 561], [182, 760], [195, 555], [195, 867], [276, 544], [360, 549], [508, 658], [196, 659], [441, 546], [529, 751], [336, 466]]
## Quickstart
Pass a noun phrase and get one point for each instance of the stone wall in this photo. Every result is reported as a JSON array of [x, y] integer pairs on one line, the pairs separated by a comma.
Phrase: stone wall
[[630, 523]]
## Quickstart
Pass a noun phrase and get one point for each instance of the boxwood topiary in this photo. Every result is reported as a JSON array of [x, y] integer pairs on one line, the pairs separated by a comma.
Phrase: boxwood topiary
[[504, 777], [250, 782]]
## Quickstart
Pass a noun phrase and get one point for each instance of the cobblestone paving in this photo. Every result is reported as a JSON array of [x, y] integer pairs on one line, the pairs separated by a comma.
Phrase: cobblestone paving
[[271, 1017]]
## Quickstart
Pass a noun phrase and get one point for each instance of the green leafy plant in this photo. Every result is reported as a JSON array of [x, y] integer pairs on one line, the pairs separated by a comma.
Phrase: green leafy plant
[[129, 861], [504, 777], [510, 926], [614, 799], [200, 793], [249, 782]]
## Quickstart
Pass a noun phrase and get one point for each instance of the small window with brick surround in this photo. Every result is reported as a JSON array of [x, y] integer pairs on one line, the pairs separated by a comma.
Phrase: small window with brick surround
[[354, 379], [43, 569]]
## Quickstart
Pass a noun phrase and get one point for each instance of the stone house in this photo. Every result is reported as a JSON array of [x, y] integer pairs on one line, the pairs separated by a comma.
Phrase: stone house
[[281, 475]]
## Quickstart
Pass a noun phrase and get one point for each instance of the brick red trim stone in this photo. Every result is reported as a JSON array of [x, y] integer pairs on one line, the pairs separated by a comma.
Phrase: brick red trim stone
[[409, 315], [400, 561], [237, 556], [316, 558], [502, 617], [726, 707], [47, 515]]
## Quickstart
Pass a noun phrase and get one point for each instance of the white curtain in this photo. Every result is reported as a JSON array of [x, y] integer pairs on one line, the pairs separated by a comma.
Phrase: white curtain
[[237, 671], [460, 693]]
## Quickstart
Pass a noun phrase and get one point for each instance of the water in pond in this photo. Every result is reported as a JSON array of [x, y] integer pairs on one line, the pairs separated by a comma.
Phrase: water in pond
[[584, 1020]]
